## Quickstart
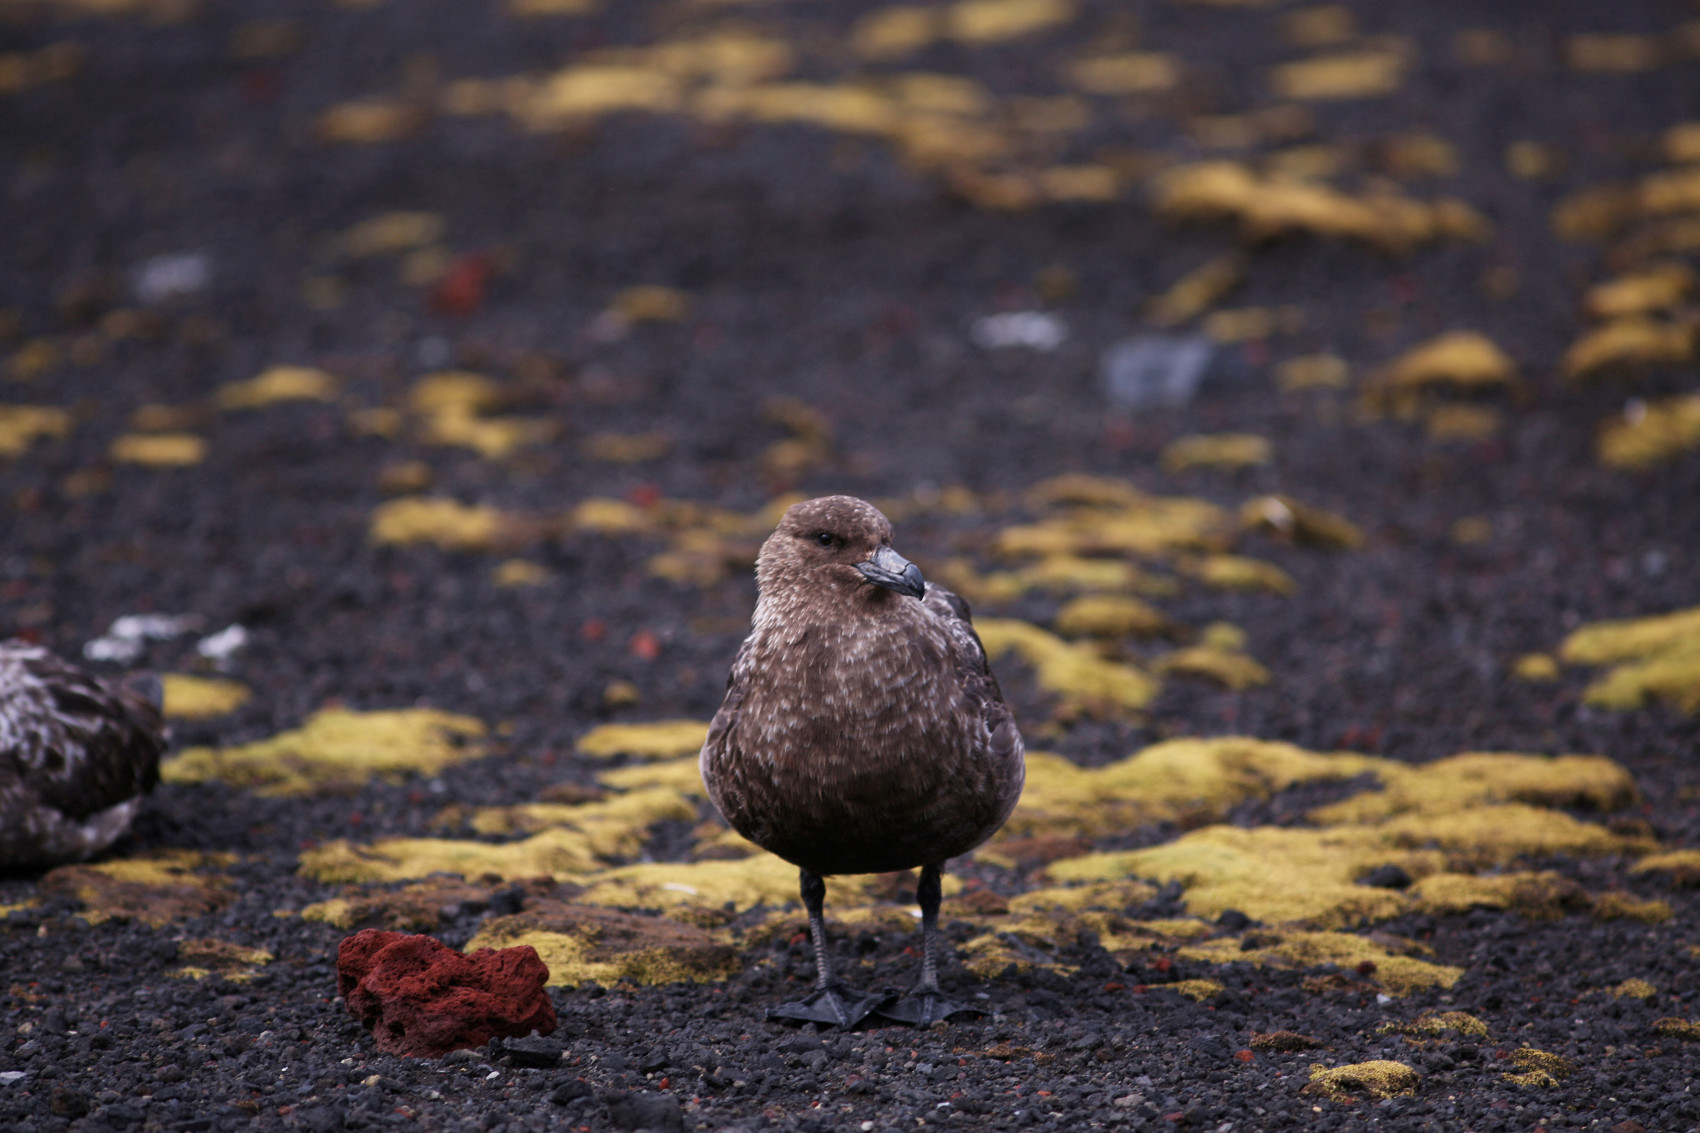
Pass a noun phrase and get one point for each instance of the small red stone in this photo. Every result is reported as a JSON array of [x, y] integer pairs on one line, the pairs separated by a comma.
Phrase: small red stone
[[461, 290], [1245, 1056], [420, 997], [645, 645]]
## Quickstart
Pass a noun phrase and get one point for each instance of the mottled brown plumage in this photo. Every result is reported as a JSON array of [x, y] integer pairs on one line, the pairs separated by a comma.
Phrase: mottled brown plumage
[[77, 755], [862, 729]]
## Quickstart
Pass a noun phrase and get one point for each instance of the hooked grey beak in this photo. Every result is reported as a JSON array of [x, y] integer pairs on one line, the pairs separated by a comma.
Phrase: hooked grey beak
[[894, 572]]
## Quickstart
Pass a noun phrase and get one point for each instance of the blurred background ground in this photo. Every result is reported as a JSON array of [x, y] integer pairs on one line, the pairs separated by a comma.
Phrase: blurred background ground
[[1312, 373]]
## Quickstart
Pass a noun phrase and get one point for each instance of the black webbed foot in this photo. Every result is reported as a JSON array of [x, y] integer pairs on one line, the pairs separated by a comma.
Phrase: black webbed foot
[[833, 1006], [923, 1007]]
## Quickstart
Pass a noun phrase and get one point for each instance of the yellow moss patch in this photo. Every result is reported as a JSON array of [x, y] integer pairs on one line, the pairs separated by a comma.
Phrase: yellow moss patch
[[582, 943], [1112, 896], [627, 448], [1631, 343], [157, 889], [759, 880], [1052, 574], [1198, 990], [198, 698], [516, 573], [1682, 865], [1220, 450], [1312, 371], [1536, 667], [491, 437], [451, 404], [337, 749], [989, 21], [391, 232], [1540, 896], [1462, 422], [369, 121], [1351, 74], [1272, 874], [1635, 989], [1194, 778], [208, 956], [1227, 667], [649, 303], [1036, 940], [1111, 615], [279, 383], [1029, 944], [1619, 906], [1451, 785], [1496, 835], [1655, 658], [1439, 1023], [1136, 525], [1238, 572], [679, 774], [1398, 974], [1297, 523], [1620, 53], [453, 391], [1382, 1078], [890, 33], [609, 517], [1658, 287], [1674, 1028], [448, 523], [1083, 682], [1651, 432], [555, 852], [159, 450], [1130, 72], [614, 827], [1464, 361], [663, 739], [1194, 292], [22, 425], [1539, 1068], [1274, 205]]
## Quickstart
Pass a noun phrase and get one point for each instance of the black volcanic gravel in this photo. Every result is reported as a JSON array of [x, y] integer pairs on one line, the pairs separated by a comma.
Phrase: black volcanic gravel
[[822, 270]]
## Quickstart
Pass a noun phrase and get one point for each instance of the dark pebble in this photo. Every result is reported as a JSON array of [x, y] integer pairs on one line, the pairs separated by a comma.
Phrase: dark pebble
[[643, 1110]]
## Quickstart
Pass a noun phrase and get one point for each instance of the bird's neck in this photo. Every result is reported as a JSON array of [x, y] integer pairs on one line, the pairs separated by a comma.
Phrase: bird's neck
[[785, 609]]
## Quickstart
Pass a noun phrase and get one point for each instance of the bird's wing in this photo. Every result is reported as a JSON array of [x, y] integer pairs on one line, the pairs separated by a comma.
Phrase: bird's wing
[[976, 673], [81, 744], [713, 758]]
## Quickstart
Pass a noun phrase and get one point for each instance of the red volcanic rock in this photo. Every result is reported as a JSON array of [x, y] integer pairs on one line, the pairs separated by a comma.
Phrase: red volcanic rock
[[420, 997]]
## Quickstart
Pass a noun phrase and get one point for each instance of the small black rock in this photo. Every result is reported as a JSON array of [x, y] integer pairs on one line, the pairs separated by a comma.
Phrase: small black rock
[[1210, 1044], [1233, 920], [571, 1091], [536, 1052], [644, 1110], [321, 1119], [68, 1103], [1386, 877], [507, 902]]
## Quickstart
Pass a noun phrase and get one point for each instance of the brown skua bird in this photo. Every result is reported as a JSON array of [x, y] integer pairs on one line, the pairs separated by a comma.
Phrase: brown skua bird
[[77, 756], [862, 732]]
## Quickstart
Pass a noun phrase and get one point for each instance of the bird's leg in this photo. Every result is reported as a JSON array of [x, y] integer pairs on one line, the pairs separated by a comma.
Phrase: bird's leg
[[925, 1004], [831, 1003]]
